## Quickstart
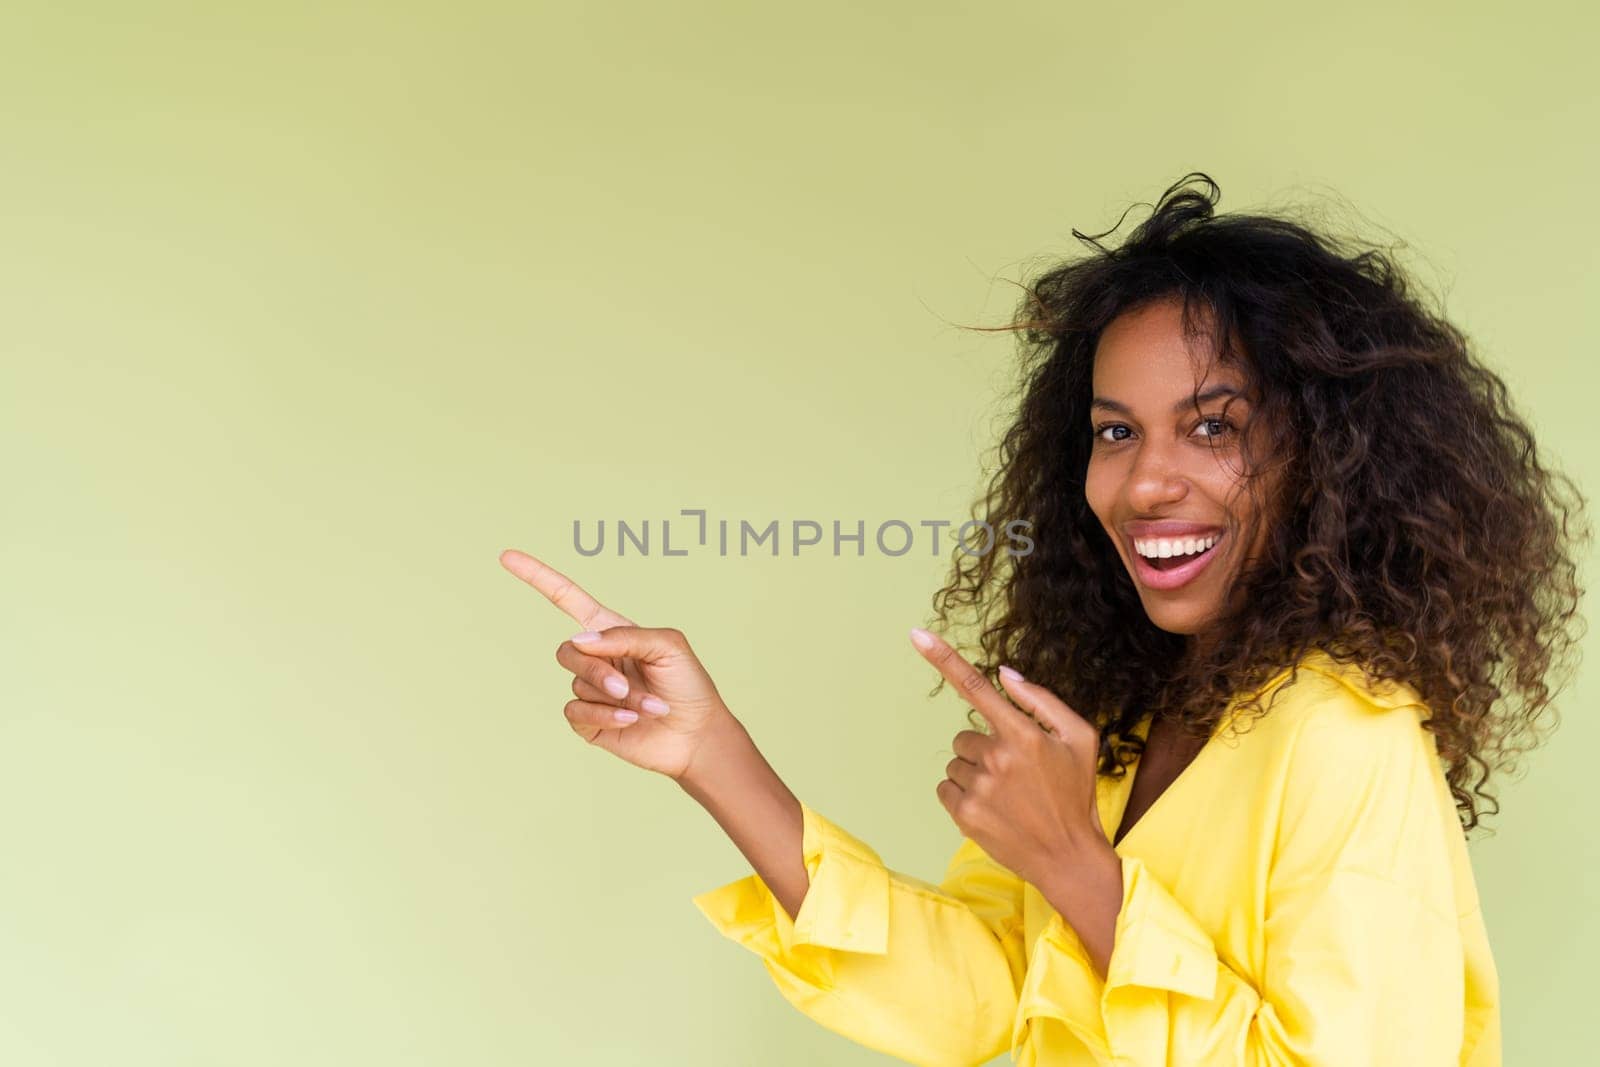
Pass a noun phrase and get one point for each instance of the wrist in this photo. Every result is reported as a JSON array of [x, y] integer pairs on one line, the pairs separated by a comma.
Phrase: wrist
[[1085, 873], [723, 743]]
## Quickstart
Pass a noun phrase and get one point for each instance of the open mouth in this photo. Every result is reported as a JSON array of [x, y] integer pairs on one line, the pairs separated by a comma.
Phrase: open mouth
[[1172, 563], [1174, 571]]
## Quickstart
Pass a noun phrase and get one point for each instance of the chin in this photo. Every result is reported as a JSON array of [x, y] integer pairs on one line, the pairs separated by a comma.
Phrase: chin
[[1185, 621], [1182, 629]]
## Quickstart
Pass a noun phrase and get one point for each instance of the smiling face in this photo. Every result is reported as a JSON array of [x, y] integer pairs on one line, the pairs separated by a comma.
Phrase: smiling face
[[1165, 475]]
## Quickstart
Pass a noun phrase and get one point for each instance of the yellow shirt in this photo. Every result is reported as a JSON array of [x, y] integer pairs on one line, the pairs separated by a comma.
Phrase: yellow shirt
[[1300, 894]]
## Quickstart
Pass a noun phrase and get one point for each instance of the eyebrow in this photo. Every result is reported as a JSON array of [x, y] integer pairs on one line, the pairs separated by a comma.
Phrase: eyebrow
[[1179, 408]]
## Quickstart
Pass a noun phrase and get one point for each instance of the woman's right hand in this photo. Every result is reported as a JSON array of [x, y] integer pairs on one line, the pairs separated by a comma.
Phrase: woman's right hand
[[656, 665]]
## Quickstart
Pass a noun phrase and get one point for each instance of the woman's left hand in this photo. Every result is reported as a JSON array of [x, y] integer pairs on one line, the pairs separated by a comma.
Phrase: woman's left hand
[[1024, 795]]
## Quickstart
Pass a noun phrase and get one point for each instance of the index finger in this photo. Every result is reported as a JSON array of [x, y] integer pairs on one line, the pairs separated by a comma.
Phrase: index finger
[[561, 591], [992, 704]]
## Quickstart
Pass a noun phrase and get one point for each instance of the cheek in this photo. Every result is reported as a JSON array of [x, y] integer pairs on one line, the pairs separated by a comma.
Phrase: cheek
[[1230, 495], [1099, 490]]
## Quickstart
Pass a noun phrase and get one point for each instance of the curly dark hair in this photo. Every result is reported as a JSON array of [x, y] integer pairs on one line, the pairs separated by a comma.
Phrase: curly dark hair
[[1414, 529]]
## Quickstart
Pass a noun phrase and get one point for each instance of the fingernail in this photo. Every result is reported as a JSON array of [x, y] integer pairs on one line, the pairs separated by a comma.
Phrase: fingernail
[[617, 687], [654, 705], [585, 637], [921, 638], [627, 716], [1010, 675]]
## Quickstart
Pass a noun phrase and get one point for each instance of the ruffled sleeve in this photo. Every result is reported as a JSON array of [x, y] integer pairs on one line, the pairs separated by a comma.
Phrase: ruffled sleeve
[[924, 973]]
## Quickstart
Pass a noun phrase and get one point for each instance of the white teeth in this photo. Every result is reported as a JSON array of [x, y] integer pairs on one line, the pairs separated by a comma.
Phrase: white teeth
[[1165, 548]]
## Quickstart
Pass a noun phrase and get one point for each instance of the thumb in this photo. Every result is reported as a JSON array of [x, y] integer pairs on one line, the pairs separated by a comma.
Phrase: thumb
[[1064, 723], [647, 644]]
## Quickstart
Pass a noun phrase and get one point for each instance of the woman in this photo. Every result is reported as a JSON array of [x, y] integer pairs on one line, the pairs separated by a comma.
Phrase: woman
[[1299, 585]]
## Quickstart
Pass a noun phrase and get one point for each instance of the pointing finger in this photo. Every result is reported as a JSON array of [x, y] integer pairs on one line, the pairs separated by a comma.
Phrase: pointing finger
[[561, 591], [1064, 722], [972, 685]]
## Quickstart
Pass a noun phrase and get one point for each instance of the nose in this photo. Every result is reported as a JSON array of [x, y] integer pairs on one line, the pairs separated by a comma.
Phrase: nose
[[1155, 480]]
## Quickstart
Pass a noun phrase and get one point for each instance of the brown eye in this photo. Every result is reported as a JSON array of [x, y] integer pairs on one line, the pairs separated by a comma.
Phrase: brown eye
[[1227, 427]]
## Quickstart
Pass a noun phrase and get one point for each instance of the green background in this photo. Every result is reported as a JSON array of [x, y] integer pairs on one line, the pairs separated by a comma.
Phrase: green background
[[309, 310]]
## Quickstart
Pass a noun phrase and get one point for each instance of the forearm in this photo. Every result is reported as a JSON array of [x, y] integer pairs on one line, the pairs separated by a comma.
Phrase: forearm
[[1087, 892], [733, 781]]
